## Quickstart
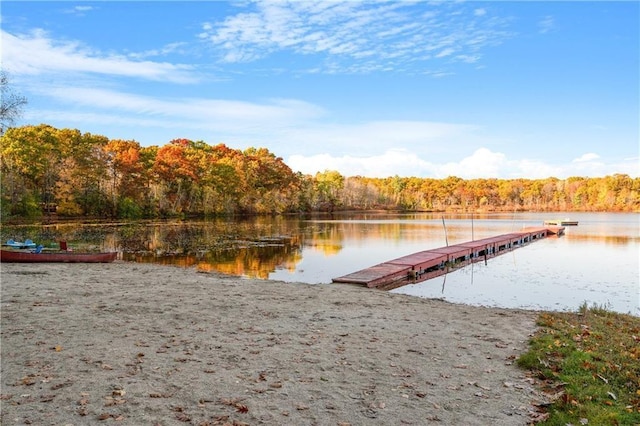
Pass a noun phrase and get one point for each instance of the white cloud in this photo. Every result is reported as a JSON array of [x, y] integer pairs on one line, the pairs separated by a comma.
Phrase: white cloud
[[88, 119], [79, 10], [46, 55], [390, 163], [163, 51], [289, 125], [342, 34], [445, 52], [482, 163], [211, 113], [546, 24], [586, 157], [419, 137]]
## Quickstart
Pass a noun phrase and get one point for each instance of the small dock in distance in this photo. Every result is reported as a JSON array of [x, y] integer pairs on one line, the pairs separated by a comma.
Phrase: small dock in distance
[[561, 222], [431, 263]]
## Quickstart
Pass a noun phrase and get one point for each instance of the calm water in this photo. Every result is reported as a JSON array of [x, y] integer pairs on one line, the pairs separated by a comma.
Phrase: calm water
[[596, 262]]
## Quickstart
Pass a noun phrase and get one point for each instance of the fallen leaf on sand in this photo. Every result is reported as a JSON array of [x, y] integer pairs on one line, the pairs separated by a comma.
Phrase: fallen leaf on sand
[[183, 417], [28, 380], [61, 385], [235, 402], [158, 395]]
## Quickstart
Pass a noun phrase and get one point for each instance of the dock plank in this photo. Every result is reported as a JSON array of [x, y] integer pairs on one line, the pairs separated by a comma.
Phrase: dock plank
[[376, 275], [421, 260]]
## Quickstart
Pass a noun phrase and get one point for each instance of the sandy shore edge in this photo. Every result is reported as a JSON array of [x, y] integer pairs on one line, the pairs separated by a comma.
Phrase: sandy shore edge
[[142, 344]]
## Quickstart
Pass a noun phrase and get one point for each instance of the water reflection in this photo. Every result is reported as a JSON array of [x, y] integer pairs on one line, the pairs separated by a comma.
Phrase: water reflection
[[604, 239], [601, 253]]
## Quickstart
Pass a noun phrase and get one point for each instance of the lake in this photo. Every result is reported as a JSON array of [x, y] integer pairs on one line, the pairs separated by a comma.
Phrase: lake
[[596, 262]]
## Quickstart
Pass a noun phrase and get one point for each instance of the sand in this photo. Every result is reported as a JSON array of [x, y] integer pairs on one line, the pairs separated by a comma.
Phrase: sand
[[139, 344]]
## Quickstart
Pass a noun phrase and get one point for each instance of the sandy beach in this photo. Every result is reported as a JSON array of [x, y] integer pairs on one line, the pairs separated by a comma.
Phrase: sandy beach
[[139, 344]]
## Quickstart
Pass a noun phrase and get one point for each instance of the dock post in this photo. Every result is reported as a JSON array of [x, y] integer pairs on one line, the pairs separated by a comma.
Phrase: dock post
[[472, 234], [446, 239]]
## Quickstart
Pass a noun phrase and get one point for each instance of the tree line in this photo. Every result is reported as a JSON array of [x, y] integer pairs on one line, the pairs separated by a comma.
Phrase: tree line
[[46, 170]]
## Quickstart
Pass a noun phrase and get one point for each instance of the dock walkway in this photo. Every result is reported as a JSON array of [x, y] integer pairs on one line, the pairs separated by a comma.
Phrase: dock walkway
[[435, 262]]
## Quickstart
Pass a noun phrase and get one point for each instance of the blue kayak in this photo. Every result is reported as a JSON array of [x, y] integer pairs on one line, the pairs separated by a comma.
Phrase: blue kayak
[[19, 244]]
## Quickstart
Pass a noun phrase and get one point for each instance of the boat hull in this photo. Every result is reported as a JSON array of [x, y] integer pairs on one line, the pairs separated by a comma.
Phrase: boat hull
[[9, 256]]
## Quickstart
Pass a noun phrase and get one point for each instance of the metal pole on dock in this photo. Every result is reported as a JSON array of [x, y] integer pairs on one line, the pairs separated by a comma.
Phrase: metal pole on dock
[[472, 237], [446, 239]]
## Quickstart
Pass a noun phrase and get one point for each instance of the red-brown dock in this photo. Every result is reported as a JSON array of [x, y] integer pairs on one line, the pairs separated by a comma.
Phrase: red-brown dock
[[435, 262]]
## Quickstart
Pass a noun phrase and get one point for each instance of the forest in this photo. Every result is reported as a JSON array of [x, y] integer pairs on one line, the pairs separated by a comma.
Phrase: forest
[[68, 173]]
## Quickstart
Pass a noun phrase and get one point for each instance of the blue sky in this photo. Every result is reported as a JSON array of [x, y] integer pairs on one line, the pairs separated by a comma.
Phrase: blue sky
[[413, 88]]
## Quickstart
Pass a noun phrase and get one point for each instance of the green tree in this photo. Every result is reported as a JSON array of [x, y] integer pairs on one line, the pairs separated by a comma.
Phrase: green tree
[[33, 155], [328, 185]]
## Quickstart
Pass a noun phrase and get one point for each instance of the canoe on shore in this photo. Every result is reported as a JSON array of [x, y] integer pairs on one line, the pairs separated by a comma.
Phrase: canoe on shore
[[11, 256]]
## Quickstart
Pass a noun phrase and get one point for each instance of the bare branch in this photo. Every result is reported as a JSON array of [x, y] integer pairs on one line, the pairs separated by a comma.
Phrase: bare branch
[[11, 104]]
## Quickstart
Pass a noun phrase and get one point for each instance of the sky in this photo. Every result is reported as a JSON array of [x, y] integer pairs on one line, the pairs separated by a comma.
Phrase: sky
[[429, 89]]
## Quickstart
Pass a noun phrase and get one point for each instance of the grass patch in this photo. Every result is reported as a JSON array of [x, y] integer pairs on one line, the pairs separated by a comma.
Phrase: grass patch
[[588, 363]]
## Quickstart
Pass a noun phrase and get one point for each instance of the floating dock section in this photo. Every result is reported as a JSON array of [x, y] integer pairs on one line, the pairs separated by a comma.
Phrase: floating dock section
[[428, 264]]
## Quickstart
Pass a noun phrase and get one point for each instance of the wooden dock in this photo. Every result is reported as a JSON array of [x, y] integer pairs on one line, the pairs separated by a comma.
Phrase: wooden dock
[[435, 262]]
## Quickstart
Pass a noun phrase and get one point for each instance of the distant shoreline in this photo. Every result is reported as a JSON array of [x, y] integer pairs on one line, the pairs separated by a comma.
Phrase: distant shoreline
[[53, 219]]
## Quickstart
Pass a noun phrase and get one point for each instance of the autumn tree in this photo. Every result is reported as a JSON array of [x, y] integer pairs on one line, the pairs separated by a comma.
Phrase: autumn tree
[[79, 188], [126, 184], [32, 159], [177, 170], [359, 193], [328, 185], [149, 182], [270, 182], [224, 179]]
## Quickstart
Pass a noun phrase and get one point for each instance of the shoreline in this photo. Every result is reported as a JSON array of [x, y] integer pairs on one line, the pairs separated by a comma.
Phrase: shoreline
[[149, 344]]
